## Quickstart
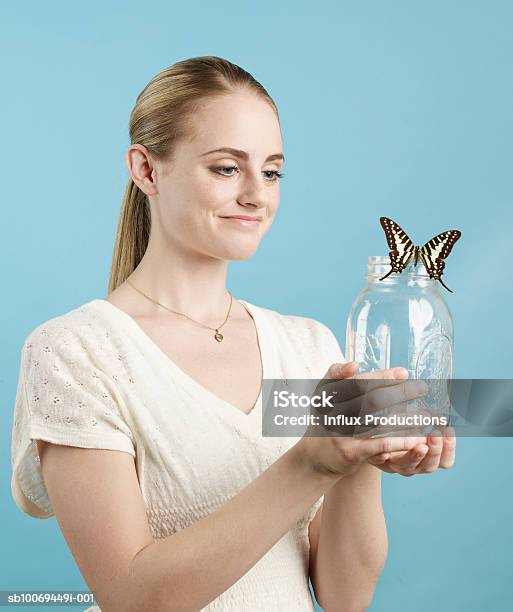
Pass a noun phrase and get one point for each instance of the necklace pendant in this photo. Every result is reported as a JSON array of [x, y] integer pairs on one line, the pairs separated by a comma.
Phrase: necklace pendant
[[218, 336]]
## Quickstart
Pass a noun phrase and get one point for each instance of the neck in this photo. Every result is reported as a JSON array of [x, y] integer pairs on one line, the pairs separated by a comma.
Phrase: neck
[[189, 283]]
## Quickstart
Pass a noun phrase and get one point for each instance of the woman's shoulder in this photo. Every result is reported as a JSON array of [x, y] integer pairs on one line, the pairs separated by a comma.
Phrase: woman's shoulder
[[80, 322]]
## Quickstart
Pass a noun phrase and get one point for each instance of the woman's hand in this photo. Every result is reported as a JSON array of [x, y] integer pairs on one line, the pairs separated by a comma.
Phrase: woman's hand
[[421, 459], [343, 455], [439, 452]]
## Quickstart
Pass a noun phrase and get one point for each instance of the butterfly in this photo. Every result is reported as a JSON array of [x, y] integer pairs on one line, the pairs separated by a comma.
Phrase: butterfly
[[432, 253]]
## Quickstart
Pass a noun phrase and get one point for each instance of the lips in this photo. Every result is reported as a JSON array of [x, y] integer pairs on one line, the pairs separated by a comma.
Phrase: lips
[[243, 217]]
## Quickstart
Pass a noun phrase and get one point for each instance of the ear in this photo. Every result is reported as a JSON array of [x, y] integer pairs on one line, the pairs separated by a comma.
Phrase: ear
[[140, 166]]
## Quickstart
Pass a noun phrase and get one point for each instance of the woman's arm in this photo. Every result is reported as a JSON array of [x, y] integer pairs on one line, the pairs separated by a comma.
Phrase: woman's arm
[[98, 504], [349, 542], [233, 538]]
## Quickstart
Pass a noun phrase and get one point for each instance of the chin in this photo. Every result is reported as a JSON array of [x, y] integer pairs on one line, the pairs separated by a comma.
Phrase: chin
[[242, 252]]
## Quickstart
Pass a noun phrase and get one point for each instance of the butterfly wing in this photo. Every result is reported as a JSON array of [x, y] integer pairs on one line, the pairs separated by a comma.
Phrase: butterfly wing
[[401, 247], [435, 251]]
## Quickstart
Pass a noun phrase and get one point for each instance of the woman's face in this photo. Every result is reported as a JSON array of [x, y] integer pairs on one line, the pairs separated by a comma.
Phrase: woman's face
[[198, 189]]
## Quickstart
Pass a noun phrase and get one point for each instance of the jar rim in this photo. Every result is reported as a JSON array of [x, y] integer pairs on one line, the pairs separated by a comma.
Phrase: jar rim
[[377, 265]]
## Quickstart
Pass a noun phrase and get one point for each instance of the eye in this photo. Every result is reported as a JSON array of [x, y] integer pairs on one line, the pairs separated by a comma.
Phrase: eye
[[271, 175], [274, 173], [218, 170]]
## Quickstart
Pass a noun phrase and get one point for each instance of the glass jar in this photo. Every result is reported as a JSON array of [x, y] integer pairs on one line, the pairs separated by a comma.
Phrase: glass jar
[[402, 320]]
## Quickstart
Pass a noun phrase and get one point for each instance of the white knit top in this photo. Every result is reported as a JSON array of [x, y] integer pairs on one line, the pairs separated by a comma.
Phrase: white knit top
[[93, 378]]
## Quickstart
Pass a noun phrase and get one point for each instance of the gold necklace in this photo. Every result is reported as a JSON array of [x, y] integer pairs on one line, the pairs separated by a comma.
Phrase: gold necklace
[[218, 336]]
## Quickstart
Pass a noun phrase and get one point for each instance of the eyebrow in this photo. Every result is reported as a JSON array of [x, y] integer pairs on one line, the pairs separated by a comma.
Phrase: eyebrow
[[242, 154]]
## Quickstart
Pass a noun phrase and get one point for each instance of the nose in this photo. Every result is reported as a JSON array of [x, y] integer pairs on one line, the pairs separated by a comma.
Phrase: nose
[[253, 193]]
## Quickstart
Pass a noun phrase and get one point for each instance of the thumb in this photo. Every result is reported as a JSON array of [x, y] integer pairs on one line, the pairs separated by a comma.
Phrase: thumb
[[342, 370]]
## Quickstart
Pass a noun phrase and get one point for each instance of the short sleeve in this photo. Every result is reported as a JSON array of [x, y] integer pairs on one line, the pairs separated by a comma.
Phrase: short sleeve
[[62, 397]]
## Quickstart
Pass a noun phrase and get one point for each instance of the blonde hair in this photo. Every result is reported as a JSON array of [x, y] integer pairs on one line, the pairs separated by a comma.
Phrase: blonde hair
[[160, 119]]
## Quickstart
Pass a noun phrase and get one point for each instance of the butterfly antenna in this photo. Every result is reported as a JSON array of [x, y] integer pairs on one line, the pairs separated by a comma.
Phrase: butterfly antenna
[[445, 285], [387, 274]]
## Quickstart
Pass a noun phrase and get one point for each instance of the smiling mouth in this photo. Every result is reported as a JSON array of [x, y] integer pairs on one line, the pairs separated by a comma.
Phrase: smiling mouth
[[247, 222], [243, 218]]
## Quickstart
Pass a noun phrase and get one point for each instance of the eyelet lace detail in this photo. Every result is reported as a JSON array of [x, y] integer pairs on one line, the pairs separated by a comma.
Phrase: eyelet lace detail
[[87, 383]]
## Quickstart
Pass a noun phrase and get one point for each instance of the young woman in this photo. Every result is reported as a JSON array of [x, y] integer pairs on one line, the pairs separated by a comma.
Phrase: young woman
[[138, 417]]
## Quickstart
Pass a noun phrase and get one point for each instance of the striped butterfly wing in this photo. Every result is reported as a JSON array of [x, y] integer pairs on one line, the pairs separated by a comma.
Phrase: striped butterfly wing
[[401, 247], [435, 251]]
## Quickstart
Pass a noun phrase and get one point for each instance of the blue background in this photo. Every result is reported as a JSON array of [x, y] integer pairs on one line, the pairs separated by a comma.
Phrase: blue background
[[401, 109]]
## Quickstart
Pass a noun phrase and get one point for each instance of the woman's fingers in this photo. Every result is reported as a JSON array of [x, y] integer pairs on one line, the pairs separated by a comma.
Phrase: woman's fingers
[[395, 395], [371, 391], [381, 431], [341, 370], [385, 446], [449, 448], [432, 459], [423, 459], [356, 385], [397, 373], [410, 463], [405, 462], [349, 388], [372, 412]]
